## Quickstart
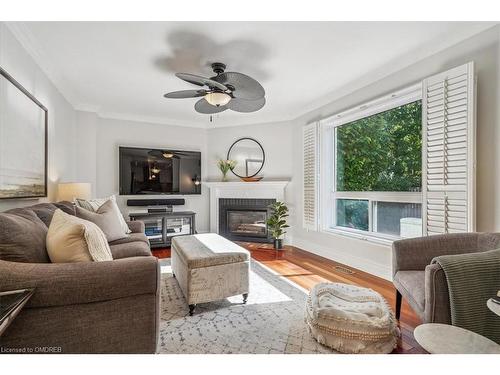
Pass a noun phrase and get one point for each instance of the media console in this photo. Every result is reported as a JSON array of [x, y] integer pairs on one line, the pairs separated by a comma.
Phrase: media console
[[161, 227]]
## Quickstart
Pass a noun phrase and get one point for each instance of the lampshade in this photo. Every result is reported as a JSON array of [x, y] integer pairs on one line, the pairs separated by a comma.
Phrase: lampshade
[[71, 190], [217, 98]]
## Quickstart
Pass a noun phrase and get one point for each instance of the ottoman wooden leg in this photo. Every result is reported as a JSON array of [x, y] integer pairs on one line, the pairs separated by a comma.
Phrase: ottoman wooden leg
[[245, 297], [191, 309]]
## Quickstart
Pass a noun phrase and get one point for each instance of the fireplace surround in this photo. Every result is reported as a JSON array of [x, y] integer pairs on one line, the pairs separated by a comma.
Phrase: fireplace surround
[[244, 219], [267, 190]]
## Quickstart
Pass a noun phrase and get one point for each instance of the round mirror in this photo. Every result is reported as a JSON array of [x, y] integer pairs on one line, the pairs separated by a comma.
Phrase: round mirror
[[249, 156]]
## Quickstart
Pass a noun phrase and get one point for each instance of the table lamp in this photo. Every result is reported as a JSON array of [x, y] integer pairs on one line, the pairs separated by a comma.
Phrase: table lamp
[[69, 191]]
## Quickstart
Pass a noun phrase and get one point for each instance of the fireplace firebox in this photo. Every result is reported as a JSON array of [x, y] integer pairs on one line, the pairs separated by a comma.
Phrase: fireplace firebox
[[247, 223], [244, 219]]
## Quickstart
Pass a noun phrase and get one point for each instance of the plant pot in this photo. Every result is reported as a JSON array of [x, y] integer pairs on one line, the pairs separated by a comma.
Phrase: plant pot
[[278, 244]]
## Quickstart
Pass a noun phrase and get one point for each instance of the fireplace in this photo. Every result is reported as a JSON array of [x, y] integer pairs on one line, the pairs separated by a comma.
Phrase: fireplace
[[244, 219], [247, 223]]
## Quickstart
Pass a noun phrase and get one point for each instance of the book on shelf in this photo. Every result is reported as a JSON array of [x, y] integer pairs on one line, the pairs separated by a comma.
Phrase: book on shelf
[[155, 237]]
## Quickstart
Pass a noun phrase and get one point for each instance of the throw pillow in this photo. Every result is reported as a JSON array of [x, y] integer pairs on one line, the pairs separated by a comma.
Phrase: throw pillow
[[94, 204], [45, 210], [106, 218], [71, 239]]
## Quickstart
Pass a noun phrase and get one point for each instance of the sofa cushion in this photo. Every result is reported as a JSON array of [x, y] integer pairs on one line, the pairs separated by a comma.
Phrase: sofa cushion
[[22, 237], [132, 237], [411, 284], [107, 218], [45, 211], [71, 239], [129, 249], [136, 226], [59, 284]]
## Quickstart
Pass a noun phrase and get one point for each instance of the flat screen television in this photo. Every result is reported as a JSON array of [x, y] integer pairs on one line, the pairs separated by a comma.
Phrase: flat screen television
[[151, 171]]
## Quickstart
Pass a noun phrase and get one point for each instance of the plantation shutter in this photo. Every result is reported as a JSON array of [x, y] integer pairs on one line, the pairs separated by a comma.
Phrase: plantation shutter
[[310, 182], [448, 163]]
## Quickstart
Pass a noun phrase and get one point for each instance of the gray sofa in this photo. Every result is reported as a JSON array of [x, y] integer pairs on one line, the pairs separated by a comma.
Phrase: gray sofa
[[95, 307], [424, 285]]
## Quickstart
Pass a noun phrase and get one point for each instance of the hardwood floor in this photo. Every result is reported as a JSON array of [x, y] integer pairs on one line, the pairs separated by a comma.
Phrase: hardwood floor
[[307, 269]]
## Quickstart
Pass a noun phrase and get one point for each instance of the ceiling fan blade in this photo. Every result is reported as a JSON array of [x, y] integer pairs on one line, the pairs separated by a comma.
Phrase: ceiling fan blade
[[245, 87], [201, 81], [185, 94], [242, 105], [202, 106]]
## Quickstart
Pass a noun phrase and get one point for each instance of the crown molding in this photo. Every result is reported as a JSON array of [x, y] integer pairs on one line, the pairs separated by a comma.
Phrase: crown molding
[[150, 119], [160, 120], [84, 107], [392, 67], [29, 43], [49, 67]]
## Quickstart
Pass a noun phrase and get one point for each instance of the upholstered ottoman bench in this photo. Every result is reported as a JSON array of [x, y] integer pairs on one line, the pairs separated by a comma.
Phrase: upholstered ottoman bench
[[209, 268], [351, 319]]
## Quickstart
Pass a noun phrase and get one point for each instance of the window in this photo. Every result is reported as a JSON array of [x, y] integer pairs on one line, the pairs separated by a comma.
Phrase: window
[[399, 166], [381, 152], [375, 159]]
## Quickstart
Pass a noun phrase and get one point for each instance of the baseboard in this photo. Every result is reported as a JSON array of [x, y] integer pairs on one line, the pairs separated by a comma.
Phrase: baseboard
[[362, 264]]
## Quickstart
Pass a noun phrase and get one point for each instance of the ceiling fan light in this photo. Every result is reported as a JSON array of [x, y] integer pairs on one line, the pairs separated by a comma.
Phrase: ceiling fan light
[[217, 98]]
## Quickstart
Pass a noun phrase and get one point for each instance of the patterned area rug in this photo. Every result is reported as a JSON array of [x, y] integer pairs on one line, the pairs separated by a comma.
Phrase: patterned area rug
[[272, 321]]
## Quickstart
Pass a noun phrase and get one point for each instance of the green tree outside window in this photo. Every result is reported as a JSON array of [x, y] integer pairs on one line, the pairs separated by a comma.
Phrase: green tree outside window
[[382, 152]]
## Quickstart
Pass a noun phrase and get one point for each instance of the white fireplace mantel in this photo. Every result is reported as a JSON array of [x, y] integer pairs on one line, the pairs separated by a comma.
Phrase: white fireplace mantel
[[240, 189]]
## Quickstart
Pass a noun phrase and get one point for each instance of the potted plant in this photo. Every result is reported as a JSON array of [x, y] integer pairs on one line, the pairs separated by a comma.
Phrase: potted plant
[[225, 166], [276, 223]]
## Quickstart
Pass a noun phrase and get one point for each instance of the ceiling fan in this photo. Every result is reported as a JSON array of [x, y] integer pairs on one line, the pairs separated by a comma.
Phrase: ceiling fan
[[226, 90], [167, 154]]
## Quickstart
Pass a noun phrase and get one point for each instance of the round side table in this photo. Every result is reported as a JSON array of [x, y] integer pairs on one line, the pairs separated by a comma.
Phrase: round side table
[[447, 339]]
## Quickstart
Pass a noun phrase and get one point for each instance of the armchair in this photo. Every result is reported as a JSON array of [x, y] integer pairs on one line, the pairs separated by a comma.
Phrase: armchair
[[424, 285]]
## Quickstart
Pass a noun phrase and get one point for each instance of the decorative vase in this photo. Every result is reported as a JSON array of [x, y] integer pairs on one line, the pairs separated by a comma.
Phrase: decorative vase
[[278, 244], [224, 177]]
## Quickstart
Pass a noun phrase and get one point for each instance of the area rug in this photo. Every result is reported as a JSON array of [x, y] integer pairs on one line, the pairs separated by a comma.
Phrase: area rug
[[272, 321]]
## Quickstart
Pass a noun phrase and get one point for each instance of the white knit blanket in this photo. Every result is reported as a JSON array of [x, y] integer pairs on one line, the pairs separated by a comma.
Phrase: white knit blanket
[[334, 301]]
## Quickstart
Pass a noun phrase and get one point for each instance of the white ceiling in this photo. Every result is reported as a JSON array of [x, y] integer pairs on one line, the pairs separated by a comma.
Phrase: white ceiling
[[122, 69]]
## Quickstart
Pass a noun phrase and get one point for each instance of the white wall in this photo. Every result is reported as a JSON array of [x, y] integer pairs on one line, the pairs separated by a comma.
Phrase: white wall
[[275, 138], [103, 136], [483, 49], [62, 119], [99, 138], [86, 148]]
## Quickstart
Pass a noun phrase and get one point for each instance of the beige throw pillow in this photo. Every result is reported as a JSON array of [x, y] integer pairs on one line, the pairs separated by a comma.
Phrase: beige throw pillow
[[94, 204], [71, 239], [106, 218]]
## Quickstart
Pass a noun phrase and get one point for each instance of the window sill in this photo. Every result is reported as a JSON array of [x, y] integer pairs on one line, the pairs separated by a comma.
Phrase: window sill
[[360, 236]]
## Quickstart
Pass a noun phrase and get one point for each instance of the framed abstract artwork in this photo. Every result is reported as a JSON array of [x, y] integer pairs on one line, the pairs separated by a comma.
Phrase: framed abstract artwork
[[23, 141]]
